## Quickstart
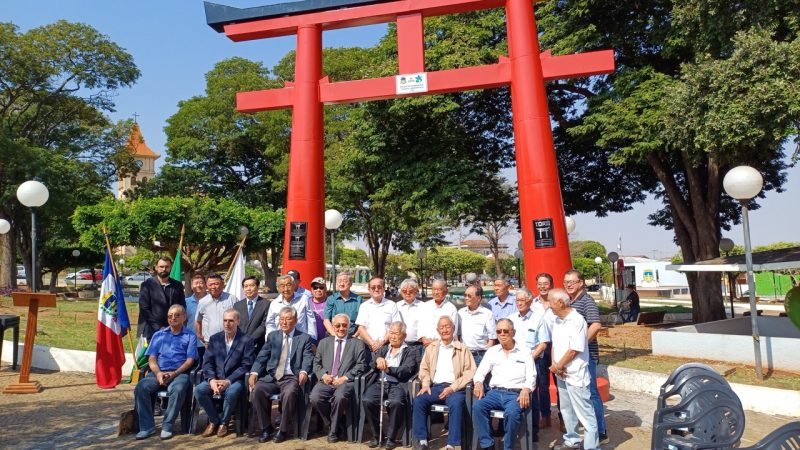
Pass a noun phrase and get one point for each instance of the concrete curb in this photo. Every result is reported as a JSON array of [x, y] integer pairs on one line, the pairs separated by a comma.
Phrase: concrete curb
[[755, 398], [60, 359]]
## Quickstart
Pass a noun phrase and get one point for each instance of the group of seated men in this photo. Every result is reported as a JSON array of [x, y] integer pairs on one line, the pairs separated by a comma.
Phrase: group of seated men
[[309, 337]]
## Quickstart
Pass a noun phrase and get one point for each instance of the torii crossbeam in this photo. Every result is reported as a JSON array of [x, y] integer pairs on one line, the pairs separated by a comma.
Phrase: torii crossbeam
[[544, 235]]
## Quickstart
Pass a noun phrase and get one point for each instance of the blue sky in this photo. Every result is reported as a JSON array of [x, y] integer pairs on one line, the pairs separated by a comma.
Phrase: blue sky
[[174, 48]]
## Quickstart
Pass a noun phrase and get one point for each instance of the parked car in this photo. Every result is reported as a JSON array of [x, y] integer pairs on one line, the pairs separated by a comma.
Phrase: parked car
[[85, 274], [595, 287], [136, 279]]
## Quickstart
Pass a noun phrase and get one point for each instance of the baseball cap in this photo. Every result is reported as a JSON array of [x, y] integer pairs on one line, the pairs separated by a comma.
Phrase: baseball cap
[[318, 280], [294, 274]]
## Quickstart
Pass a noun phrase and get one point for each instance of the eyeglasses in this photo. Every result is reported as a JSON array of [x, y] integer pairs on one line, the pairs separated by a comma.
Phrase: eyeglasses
[[317, 288], [571, 282], [543, 284], [408, 291], [376, 288], [340, 325], [503, 331]]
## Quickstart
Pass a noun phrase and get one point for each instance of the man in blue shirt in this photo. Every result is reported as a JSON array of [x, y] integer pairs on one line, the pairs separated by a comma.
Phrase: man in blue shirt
[[172, 352], [198, 291], [342, 302], [503, 304]]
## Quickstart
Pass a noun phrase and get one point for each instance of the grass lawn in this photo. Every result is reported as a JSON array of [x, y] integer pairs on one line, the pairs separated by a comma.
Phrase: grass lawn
[[71, 324]]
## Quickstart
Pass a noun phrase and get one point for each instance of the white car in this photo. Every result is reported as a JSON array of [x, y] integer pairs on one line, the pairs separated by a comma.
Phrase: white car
[[136, 279]]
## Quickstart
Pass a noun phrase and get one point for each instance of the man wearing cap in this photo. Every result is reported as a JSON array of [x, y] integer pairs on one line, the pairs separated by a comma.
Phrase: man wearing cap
[[343, 301], [317, 304]]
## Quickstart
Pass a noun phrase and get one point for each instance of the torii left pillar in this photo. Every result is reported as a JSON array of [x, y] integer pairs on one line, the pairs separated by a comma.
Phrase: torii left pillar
[[304, 247]]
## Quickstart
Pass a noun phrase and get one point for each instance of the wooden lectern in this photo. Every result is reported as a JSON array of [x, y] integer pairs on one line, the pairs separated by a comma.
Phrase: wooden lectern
[[33, 300]]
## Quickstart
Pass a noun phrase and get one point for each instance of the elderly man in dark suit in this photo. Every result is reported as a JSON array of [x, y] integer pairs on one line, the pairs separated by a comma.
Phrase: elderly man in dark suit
[[156, 296], [228, 358], [282, 366], [339, 360], [253, 312], [395, 363]]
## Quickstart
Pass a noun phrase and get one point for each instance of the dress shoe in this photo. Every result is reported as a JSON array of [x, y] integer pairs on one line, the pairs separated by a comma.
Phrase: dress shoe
[[535, 437], [373, 443], [210, 430], [390, 444], [603, 438], [223, 430], [332, 438], [264, 437], [421, 446], [545, 422], [280, 436]]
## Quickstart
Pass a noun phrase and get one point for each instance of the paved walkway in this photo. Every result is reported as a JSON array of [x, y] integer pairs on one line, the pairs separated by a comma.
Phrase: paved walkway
[[72, 412]]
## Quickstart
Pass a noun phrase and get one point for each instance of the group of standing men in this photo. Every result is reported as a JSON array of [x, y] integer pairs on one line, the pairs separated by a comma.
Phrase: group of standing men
[[505, 351]]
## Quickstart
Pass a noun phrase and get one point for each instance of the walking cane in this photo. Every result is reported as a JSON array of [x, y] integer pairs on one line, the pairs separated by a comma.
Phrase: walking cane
[[380, 420]]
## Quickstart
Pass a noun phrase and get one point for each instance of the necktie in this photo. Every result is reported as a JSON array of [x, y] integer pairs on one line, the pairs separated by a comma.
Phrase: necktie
[[250, 305], [336, 359], [282, 361]]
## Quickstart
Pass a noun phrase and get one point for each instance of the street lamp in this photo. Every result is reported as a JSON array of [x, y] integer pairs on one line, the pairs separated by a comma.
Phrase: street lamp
[[121, 263], [157, 244], [33, 194], [333, 220], [570, 224], [726, 245], [518, 254], [743, 183], [5, 226], [613, 257], [75, 254], [598, 260]]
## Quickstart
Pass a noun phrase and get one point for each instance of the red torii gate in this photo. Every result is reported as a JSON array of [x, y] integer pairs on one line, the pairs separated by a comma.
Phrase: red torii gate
[[544, 235]]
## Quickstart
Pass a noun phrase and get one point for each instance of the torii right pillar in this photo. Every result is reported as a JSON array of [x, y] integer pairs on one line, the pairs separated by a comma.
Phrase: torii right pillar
[[541, 211]]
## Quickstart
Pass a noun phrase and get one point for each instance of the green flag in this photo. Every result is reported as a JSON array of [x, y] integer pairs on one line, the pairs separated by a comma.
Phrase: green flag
[[175, 273]]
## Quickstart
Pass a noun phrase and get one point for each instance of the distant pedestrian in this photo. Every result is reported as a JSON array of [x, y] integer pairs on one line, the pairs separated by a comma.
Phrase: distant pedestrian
[[632, 299]]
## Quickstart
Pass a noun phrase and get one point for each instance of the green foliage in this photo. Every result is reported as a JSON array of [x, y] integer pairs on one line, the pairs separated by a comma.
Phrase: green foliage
[[350, 257], [587, 249], [217, 151], [56, 82], [212, 227], [451, 261]]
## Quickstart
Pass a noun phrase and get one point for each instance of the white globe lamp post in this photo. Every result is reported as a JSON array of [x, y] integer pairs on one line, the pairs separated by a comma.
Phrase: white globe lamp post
[[33, 194], [743, 183], [333, 220]]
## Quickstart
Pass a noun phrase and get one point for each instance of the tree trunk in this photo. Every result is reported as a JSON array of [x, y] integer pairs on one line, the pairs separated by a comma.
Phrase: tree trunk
[[53, 281], [8, 270]]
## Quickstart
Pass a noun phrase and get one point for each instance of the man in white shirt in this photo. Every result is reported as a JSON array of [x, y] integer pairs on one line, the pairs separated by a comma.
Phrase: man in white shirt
[[571, 368], [434, 309], [411, 311], [211, 308], [476, 324], [533, 333], [375, 316], [287, 287], [513, 380], [300, 289], [544, 282]]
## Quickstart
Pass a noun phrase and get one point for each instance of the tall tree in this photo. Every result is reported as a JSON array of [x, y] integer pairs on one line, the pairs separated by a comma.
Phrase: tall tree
[[56, 82], [700, 88]]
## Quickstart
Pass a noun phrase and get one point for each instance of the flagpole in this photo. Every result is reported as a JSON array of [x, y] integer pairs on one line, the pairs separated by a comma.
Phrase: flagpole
[[180, 241], [114, 270], [235, 255]]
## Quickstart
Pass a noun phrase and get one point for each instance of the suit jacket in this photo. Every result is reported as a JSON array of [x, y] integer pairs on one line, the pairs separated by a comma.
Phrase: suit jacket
[[221, 364], [254, 327], [353, 361], [300, 356], [154, 302], [408, 368]]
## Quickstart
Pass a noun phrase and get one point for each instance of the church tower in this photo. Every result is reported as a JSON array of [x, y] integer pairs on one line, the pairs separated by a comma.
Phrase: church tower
[[145, 159]]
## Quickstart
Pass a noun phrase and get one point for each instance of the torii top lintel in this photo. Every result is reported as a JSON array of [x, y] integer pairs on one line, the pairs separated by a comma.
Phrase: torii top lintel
[[284, 19]]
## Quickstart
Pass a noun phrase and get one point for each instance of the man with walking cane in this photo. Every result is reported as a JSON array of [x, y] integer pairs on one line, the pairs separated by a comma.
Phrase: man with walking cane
[[395, 364]]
